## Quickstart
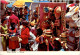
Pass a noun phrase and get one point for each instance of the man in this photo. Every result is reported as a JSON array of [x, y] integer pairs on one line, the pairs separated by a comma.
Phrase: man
[[13, 19]]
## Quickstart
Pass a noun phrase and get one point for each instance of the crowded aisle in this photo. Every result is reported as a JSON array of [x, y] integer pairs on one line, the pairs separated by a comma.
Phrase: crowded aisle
[[39, 26]]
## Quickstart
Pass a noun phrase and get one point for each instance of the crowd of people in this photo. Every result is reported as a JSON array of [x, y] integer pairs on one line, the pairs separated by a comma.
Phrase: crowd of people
[[17, 31]]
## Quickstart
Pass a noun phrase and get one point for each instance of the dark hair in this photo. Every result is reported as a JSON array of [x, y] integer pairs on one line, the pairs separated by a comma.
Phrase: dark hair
[[26, 7], [57, 44], [9, 13], [39, 31], [25, 23], [12, 24], [67, 9], [2, 21]]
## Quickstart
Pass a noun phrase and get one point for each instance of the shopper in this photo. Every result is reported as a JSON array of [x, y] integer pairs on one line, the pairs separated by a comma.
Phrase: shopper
[[4, 30], [25, 35]]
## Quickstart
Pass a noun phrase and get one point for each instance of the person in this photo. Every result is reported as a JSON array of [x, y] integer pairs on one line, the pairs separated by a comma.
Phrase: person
[[4, 30], [26, 13], [12, 33], [57, 45], [22, 19], [24, 36], [13, 19], [8, 15]]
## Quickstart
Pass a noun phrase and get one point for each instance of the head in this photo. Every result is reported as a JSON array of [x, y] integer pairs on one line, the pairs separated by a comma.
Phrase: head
[[4, 21], [23, 16], [25, 24], [57, 45], [9, 13], [13, 25]]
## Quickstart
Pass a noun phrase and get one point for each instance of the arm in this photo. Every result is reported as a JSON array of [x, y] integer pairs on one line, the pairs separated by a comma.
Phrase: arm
[[18, 23], [9, 23]]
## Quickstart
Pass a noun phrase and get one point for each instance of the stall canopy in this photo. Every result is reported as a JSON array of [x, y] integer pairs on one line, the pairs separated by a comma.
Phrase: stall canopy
[[36, 1], [21, 3], [4, 2], [41, 1], [28, 3], [10, 5]]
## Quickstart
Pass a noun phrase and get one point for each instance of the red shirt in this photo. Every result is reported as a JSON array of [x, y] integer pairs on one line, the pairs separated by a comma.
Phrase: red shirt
[[13, 19], [25, 35]]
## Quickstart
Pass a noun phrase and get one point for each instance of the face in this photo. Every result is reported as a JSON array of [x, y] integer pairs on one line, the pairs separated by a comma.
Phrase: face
[[5, 22], [24, 26]]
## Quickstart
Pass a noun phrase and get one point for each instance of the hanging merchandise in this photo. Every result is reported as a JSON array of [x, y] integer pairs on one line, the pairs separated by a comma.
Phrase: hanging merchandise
[[51, 15]]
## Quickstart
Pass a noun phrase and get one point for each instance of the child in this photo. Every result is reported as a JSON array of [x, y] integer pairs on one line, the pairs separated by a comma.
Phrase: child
[[13, 44]]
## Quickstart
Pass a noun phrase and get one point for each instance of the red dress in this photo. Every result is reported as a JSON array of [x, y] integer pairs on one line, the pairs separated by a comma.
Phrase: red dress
[[25, 35], [13, 44]]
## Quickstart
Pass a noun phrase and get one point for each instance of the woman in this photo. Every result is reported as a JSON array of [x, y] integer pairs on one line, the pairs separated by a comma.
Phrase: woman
[[25, 35], [4, 29], [12, 33]]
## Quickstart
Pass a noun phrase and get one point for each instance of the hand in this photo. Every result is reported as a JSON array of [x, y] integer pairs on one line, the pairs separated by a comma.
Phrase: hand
[[5, 35]]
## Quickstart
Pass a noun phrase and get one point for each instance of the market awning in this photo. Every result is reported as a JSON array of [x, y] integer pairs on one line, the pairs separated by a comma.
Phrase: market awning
[[44, 1], [4, 2], [21, 3], [10, 5]]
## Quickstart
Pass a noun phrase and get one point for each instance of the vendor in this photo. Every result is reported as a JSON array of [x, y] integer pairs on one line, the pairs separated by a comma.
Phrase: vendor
[[12, 33]]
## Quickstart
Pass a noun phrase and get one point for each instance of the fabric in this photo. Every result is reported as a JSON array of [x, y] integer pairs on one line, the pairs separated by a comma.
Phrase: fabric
[[13, 19], [25, 35], [33, 30], [13, 44], [32, 37], [50, 5], [7, 17]]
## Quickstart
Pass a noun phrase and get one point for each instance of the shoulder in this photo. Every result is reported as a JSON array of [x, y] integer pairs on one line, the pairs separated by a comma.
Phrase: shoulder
[[27, 29]]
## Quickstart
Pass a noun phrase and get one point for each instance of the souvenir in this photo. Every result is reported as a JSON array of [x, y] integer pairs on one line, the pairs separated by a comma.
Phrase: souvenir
[[71, 39], [45, 24], [48, 32], [71, 46], [75, 16], [57, 23], [57, 11], [63, 34], [46, 9], [72, 34], [78, 22]]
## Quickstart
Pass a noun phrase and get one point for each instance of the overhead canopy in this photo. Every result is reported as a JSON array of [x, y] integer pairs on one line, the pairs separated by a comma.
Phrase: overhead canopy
[[44, 1], [10, 5], [36, 1], [21, 3], [4, 2], [28, 3]]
